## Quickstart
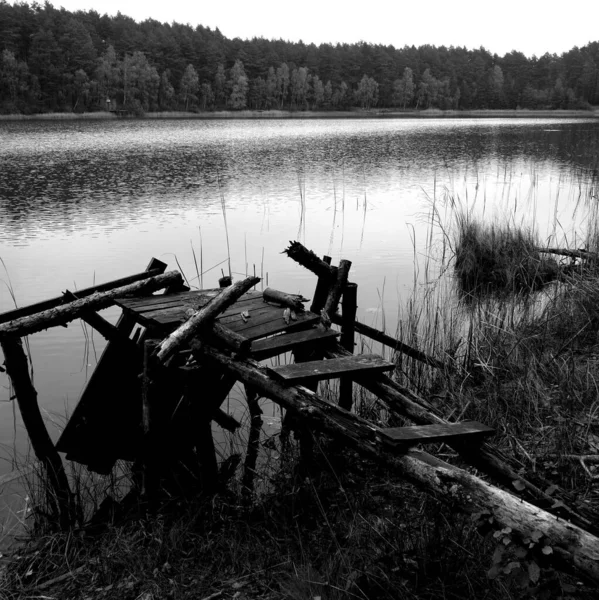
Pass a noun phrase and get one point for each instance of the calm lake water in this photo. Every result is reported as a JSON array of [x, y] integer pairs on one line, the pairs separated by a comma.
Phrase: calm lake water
[[84, 202]]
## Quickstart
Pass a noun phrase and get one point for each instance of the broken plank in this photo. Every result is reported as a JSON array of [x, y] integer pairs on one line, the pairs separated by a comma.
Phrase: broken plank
[[429, 434], [279, 344], [318, 370]]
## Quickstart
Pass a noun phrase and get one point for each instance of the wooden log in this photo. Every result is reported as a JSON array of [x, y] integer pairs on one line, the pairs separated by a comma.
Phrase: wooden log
[[387, 340], [73, 310], [203, 316], [107, 330], [322, 288], [458, 488], [584, 254], [156, 267], [293, 301], [486, 458], [349, 308], [337, 288], [56, 482], [301, 255], [226, 421]]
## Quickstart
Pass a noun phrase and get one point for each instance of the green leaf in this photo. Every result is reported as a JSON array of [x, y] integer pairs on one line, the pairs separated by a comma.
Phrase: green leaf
[[521, 552], [547, 550], [518, 485], [551, 489], [536, 535], [493, 572], [498, 555], [534, 572]]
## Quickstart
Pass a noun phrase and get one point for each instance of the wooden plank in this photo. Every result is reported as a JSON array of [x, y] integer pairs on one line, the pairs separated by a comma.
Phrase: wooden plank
[[26, 311], [318, 370], [270, 328], [430, 434], [279, 344]]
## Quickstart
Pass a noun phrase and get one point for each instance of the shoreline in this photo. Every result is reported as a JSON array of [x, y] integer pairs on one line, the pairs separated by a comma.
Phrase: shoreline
[[285, 114]]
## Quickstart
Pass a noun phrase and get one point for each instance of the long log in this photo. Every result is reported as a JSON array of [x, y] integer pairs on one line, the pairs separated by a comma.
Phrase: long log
[[585, 254], [58, 490], [96, 301], [156, 267], [201, 317], [455, 486], [486, 458], [387, 340]]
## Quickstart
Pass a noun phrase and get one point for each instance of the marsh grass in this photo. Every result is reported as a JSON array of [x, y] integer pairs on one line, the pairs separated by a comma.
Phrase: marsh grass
[[525, 363], [499, 258]]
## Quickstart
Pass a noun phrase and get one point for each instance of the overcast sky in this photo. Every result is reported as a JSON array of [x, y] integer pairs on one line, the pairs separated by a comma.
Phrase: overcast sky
[[530, 26]]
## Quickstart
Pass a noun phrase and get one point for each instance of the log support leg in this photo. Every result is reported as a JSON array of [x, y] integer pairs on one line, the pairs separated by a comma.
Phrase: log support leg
[[349, 308], [57, 485], [251, 457], [151, 423]]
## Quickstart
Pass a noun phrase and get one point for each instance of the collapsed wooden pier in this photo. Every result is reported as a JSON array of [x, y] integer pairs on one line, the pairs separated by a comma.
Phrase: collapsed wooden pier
[[172, 359]]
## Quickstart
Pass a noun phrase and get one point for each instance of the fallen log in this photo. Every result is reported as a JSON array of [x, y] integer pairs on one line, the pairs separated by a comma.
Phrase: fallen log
[[203, 316], [293, 301], [585, 254], [73, 310], [460, 489], [486, 458]]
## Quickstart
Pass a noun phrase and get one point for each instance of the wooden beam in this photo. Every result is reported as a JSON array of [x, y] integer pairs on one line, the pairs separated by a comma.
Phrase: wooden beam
[[157, 268], [349, 308], [387, 340], [73, 310]]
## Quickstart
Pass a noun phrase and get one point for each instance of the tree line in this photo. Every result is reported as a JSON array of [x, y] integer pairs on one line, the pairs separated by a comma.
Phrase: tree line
[[56, 60]]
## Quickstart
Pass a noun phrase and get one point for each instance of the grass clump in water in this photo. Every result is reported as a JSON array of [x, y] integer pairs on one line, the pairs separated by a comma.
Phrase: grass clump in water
[[499, 259]]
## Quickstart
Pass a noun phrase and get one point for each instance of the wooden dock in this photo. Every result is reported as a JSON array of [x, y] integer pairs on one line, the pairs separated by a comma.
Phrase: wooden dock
[[173, 357]]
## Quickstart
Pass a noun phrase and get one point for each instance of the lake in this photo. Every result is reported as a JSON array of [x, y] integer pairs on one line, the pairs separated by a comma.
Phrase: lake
[[83, 202]]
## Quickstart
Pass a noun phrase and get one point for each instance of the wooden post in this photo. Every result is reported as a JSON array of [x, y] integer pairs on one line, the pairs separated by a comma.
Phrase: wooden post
[[337, 288], [349, 308], [251, 456], [151, 474], [322, 288], [57, 485]]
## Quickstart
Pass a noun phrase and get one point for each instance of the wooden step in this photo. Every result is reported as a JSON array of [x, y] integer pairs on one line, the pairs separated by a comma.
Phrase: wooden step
[[279, 344], [471, 431], [318, 370]]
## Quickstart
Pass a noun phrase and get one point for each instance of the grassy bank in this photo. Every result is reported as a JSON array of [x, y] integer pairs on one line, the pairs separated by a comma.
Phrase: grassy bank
[[353, 114], [523, 360]]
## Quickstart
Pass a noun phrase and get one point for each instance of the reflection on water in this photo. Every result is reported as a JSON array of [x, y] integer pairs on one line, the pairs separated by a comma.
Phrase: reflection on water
[[84, 202]]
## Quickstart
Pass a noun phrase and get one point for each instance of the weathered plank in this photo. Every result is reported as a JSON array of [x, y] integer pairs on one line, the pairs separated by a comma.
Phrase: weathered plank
[[429, 434], [279, 344], [278, 324], [318, 370]]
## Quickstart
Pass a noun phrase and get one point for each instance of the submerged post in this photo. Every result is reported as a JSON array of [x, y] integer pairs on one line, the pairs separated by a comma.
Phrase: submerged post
[[57, 486], [349, 307], [151, 474]]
